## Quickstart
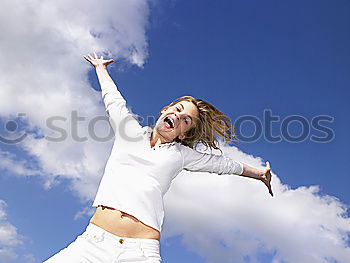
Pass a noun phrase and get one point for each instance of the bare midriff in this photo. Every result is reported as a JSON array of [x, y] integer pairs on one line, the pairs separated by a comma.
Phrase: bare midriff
[[122, 224]]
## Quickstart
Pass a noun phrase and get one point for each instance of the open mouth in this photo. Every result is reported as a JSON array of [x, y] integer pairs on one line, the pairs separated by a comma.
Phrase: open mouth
[[169, 121]]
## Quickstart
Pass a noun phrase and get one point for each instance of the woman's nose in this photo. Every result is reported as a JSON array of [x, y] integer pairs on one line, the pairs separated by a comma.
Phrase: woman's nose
[[176, 115]]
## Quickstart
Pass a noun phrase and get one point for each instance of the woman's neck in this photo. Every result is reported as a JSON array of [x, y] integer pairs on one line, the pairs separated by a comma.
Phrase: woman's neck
[[157, 139]]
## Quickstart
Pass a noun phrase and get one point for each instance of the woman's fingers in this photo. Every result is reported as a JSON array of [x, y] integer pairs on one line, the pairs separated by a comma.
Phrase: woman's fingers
[[109, 61], [89, 60], [267, 177], [268, 170], [268, 185], [270, 191], [94, 60]]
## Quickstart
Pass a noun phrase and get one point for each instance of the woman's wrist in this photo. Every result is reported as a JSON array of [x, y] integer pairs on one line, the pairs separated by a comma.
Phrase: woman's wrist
[[101, 67], [257, 174], [102, 74], [260, 173], [252, 172]]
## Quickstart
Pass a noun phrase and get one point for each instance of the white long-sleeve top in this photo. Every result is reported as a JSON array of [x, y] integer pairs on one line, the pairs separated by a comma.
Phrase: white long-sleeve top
[[136, 175]]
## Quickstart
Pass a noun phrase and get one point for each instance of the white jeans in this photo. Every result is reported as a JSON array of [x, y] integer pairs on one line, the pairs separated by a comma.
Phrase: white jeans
[[96, 245]]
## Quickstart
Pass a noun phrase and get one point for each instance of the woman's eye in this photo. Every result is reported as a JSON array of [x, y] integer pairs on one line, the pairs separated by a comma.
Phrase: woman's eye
[[178, 109]]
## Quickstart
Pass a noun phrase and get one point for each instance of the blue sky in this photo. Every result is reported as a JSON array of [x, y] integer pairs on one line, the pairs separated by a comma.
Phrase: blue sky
[[244, 57]]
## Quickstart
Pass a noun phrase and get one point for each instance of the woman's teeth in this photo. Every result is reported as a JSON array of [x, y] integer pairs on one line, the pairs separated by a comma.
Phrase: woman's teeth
[[169, 122]]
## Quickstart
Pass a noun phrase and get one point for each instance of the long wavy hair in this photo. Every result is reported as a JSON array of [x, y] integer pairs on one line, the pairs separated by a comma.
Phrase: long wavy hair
[[212, 123]]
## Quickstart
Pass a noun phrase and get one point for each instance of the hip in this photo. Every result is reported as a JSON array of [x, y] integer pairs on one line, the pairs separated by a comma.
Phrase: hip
[[98, 245]]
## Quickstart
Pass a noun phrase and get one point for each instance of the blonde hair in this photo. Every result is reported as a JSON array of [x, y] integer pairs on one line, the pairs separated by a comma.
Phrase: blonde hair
[[210, 124]]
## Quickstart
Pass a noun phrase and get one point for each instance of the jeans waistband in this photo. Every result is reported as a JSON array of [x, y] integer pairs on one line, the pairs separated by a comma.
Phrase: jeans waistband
[[96, 230]]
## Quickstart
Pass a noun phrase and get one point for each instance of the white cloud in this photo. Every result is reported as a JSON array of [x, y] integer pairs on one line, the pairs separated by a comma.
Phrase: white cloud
[[230, 218], [11, 164], [29, 258], [9, 238], [7, 255], [86, 211]]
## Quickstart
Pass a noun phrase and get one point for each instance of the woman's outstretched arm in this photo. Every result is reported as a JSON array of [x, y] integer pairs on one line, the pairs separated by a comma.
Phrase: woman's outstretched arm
[[220, 164]]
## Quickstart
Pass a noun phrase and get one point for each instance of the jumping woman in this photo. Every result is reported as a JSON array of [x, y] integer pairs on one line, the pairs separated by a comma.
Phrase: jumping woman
[[129, 212]]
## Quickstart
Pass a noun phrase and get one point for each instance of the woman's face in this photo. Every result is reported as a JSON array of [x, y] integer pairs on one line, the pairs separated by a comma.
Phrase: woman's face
[[177, 120]]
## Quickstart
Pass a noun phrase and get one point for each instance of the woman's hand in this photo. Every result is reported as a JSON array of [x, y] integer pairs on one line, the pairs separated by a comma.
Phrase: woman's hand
[[259, 174], [266, 178], [98, 62]]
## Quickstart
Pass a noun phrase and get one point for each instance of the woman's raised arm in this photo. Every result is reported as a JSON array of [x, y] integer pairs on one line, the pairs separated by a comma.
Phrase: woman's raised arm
[[121, 119]]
